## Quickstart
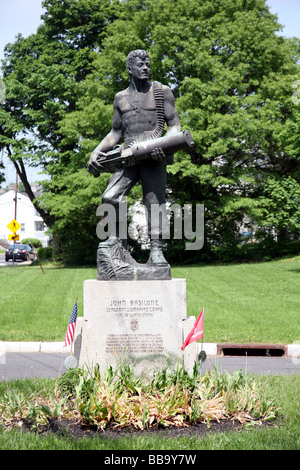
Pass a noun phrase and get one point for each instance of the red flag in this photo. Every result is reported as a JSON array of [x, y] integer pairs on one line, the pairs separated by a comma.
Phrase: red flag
[[196, 332]]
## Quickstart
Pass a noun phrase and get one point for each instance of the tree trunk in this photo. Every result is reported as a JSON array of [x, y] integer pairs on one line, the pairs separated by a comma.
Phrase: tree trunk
[[20, 168]]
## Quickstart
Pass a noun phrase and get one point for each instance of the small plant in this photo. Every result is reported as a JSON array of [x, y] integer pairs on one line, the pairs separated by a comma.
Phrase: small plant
[[118, 398], [68, 381], [18, 409]]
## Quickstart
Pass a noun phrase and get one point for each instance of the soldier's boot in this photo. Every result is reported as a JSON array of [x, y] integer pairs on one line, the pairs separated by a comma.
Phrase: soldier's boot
[[156, 256]]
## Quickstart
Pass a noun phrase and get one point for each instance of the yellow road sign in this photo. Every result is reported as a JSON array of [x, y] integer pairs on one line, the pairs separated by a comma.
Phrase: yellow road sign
[[14, 237], [14, 226]]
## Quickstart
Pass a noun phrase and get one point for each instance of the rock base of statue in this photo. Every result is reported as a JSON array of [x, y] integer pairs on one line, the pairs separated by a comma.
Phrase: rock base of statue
[[114, 263], [143, 323]]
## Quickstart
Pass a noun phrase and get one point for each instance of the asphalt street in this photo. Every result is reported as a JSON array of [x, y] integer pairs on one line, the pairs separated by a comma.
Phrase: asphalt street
[[28, 365], [10, 263], [2, 260]]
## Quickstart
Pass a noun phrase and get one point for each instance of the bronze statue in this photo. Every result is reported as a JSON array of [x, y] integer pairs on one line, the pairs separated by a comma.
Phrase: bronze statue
[[140, 114]]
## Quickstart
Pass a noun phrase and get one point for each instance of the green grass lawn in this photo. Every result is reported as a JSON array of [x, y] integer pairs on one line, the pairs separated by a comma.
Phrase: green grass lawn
[[252, 302]]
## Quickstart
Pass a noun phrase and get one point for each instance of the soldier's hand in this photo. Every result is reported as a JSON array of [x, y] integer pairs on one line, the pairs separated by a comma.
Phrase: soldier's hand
[[158, 155], [128, 157], [94, 167]]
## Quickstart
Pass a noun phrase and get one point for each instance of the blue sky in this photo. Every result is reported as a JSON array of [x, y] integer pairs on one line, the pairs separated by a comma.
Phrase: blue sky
[[24, 16], [18, 16], [288, 12]]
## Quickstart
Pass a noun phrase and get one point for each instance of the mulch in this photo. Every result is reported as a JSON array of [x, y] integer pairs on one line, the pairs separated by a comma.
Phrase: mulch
[[72, 429]]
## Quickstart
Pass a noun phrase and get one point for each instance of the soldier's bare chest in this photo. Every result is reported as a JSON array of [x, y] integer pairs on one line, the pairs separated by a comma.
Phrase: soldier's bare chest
[[134, 102]]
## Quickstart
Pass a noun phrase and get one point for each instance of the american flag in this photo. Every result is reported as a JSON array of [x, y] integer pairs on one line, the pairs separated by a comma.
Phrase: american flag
[[71, 326], [197, 331]]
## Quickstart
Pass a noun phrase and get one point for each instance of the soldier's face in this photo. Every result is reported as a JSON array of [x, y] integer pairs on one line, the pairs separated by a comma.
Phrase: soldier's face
[[140, 68]]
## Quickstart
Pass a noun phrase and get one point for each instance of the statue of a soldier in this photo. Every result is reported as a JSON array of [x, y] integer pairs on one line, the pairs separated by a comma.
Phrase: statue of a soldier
[[140, 113]]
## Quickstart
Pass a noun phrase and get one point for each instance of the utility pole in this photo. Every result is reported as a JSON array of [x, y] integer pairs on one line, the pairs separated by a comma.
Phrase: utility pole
[[16, 195], [16, 199]]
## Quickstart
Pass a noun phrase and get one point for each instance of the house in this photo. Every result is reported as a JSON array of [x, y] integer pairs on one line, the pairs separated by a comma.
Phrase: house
[[32, 225]]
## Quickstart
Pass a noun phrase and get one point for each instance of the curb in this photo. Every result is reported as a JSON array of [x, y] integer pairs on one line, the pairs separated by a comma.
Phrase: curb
[[32, 347], [211, 349]]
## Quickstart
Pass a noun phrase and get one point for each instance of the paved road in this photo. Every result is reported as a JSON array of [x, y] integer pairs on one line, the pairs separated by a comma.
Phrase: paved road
[[10, 263], [2, 260], [27, 365]]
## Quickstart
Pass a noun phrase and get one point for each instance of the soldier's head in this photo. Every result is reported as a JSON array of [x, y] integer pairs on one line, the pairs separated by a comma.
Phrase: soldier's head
[[138, 64]]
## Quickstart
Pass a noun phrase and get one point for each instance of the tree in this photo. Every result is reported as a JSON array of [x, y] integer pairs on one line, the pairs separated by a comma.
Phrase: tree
[[232, 77], [280, 204], [40, 73]]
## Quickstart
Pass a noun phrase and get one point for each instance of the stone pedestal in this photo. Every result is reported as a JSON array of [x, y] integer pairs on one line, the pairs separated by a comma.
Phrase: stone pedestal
[[140, 322]]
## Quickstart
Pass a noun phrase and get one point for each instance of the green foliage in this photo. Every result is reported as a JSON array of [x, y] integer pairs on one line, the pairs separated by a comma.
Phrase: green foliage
[[280, 204], [35, 242], [45, 253], [120, 399], [232, 76], [68, 381], [40, 74], [19, 407], [284, 435]]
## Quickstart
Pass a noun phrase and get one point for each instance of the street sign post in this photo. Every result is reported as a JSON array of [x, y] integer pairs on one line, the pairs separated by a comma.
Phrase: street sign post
[[14, 237], [13, 226]]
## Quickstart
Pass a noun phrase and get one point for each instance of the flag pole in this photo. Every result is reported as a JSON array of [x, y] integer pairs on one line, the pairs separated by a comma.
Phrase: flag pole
[[200, 368], [71, 352], [202, 356], [195, 334]]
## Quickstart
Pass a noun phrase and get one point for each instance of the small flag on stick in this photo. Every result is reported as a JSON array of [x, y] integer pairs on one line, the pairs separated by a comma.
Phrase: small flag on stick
[[196, 332], [71, 326]]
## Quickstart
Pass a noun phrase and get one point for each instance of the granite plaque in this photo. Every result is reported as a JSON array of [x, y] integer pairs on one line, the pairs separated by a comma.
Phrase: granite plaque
[[140, 322]]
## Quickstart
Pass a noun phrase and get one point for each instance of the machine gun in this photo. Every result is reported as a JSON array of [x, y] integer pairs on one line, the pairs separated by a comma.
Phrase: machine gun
[[120, 158]]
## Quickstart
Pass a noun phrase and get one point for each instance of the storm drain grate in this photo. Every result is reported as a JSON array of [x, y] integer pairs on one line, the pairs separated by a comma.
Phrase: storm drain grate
[[259, 350]]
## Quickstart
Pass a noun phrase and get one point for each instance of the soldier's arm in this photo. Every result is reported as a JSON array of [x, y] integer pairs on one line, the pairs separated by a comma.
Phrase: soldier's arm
[[171, 114], [113, 138]]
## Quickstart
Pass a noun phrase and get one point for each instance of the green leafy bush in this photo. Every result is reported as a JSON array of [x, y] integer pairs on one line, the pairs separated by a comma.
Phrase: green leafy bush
[[45, 253], [34, 242]]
